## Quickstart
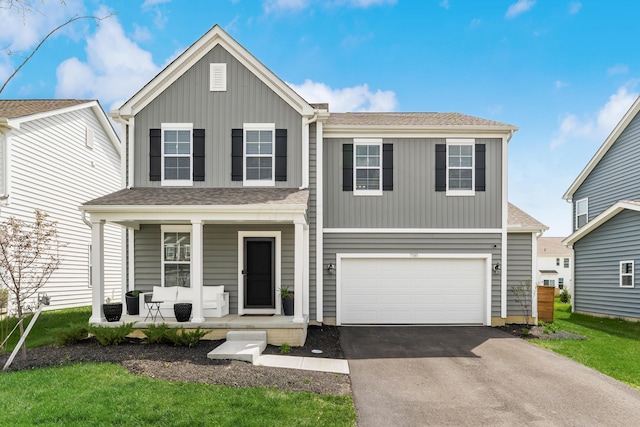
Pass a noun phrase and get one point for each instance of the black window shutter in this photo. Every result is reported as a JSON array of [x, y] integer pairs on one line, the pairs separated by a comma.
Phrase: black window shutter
[[387, 167], [480, 167], [155, 154], [441, 167], [347, 167], [281, 155], [198, 154], [236, 154]]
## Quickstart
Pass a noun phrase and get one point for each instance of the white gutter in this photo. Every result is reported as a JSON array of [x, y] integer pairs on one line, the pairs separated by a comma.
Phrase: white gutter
[[305, 149]]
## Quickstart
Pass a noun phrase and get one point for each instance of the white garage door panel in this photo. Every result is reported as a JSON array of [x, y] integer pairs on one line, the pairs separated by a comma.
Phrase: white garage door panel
[[412, 290]]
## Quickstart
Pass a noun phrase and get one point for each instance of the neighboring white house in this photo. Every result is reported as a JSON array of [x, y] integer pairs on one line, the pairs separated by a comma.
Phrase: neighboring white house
[[55, 154], [555, 263]]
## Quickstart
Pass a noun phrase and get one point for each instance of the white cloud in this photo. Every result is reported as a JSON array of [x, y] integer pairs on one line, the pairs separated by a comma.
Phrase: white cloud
[[595, 126], [445, 4], [475, 23], [278, 5], [366, 3], [559, 84], [151, 3], [108, 74], [575, 7], [297, 5], [357, 98], [141, 34], [518, 8], [618, 69]]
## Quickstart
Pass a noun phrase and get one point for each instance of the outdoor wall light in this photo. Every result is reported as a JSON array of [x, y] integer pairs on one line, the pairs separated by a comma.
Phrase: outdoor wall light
[[331, 268], [497, 268]]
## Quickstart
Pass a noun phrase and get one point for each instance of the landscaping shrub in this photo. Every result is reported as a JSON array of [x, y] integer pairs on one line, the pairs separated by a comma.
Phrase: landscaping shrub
[[285, 348], [75, 333], [179, 337], [565, 297], [156, 334], [111, 336]]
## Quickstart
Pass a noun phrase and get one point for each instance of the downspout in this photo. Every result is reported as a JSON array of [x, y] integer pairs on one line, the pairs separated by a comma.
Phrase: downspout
[[305, 149]]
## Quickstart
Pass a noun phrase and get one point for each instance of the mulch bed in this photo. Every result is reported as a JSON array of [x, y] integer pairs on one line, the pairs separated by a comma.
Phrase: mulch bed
[[537, 333], [192, 365]]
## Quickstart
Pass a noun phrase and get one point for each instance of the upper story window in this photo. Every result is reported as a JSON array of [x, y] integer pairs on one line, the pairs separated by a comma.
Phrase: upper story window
[[557, 262], [566, 263], [259, 150], [177, 164], [626, 274], [582, 211], [176, 256], [460, 163], [367, 167]]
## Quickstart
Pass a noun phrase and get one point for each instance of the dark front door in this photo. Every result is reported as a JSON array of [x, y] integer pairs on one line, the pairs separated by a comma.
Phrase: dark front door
[[259, 272]]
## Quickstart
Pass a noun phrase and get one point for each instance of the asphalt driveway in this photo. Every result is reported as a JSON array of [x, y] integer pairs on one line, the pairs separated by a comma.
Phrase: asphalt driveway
[[473, 376]]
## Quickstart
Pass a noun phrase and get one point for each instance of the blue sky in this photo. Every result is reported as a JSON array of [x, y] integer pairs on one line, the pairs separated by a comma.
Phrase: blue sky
[[564, 71]]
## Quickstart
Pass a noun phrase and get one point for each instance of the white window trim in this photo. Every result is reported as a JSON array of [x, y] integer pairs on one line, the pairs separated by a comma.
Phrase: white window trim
[[632, 274], [368, 141], [177, 182], [586, 213], [258, 182], [174, 229], [462, 141], [218, 77]]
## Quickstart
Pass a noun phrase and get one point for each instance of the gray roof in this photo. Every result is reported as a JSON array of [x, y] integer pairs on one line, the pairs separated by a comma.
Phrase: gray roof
[[13, 108], [412, 119], [552, 246], [159, 196], [518, 217]]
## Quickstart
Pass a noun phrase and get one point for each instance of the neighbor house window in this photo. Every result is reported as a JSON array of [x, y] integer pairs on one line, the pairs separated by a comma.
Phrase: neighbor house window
[[177, 144], [566, 263], [626, 274], [560, 282], [367, 168], [460, 167], [582, 208], [549, 282], [558, 262], [258, 154], [176, 256]]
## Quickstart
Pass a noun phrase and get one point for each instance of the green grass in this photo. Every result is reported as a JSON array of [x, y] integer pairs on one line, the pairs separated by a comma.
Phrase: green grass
[[47, 327], [612, 346], [106, 394]]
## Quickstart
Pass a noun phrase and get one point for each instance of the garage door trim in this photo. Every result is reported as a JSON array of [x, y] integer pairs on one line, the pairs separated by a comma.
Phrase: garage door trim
[[485, 257]]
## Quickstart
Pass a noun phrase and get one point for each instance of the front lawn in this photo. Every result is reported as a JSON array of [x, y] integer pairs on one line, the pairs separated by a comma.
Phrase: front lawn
[[106, 394], [612, 345]]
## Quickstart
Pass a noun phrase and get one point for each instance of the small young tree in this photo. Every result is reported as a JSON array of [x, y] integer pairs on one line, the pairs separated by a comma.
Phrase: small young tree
[[29, 254], [523, 296]]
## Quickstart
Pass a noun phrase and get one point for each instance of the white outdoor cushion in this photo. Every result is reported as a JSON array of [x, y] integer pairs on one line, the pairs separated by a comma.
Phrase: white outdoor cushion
[[164, 294], [210, 292], [185, 294]]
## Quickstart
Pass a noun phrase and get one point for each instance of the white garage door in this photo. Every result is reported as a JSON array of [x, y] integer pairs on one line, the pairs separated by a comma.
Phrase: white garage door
[[412, 291]]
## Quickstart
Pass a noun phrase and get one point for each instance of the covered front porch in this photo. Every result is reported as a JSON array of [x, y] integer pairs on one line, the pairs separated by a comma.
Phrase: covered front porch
[[252, 242]]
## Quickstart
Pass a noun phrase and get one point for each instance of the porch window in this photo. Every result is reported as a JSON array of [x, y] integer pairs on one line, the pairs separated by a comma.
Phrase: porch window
[[626, 274], [176, 256], [176, 153], [259, 154]]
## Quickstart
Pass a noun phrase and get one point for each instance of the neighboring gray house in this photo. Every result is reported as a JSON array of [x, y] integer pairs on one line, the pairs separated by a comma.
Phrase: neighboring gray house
[[54, 155], [380, 218], [606, 224]]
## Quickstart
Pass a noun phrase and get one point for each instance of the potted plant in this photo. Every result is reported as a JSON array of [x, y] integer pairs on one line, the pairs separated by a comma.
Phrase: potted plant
[[287, 301], [112, 310], [133, 302]]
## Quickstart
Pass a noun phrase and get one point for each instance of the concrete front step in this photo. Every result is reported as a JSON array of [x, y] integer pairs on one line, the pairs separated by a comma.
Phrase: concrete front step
[[241, 345]]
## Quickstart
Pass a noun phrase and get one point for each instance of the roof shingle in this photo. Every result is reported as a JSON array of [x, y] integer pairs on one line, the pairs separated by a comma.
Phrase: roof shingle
[[13, 108], [411, 119]]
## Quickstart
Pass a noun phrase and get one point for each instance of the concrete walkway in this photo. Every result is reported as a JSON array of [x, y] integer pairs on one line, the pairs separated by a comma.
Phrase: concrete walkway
[[475, 376], [337, 366]]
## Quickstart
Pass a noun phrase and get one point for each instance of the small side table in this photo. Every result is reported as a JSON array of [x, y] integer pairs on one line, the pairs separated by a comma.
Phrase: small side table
[[154, 310]]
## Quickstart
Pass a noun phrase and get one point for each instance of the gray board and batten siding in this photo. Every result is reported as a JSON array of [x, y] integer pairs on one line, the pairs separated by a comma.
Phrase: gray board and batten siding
[[413, 202], [246, 100], [220, 256], [616, 176], [405, 243], [597, 267], [519, 270]]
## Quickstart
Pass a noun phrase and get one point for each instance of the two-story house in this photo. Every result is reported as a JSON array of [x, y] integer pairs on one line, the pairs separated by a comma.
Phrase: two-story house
[[555, 263], [233, 179], [606, 224], [54, 155]]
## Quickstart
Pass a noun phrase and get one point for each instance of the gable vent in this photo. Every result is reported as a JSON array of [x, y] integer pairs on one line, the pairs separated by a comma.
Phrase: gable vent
[[89, 137], [218, 77]]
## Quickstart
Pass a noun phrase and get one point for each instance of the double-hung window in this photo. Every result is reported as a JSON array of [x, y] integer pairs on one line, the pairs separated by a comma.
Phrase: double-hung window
[[566, 263], [626, 274], [582, 210], [176, 256], [177, 147], [367, 168], [460, 163], [259, 154]]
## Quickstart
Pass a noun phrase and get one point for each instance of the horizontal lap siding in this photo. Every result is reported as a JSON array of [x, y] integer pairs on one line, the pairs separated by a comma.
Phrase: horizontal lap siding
[[519, 271], [53, 170], [246, 100], [597, 263], [413, 203], [407, 243], [220, 257]]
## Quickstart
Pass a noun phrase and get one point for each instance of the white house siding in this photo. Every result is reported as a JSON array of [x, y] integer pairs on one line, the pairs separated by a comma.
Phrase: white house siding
[[53, 170]]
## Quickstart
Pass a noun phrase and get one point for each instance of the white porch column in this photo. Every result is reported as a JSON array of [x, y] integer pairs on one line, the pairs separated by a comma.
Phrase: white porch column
[[298, 264], [197, 264], [97, 271]]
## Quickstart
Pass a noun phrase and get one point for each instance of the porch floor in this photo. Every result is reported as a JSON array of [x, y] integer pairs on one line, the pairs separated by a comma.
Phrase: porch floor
[[280, 329]]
